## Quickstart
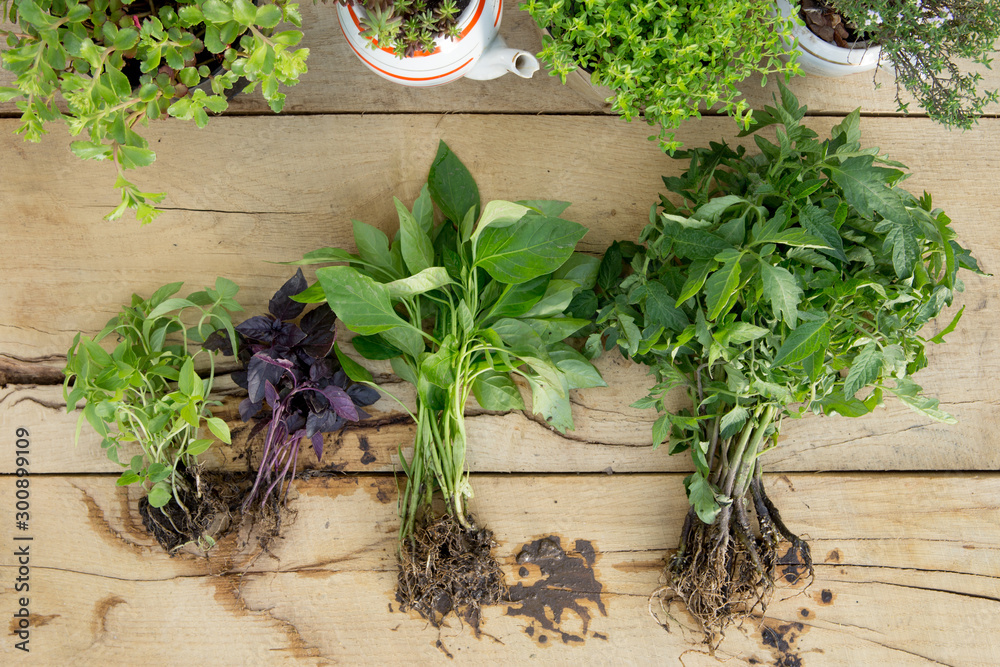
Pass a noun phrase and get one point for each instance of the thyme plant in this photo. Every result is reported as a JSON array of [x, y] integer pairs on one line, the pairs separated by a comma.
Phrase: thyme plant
[[924, 40], [666, 59]]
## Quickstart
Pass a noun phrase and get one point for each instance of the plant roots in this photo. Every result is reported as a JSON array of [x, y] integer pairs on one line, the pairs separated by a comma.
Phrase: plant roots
[[209, 509], [445, 567], [723, 571]]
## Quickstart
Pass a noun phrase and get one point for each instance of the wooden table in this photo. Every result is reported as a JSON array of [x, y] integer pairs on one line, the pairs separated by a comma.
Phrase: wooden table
[[903, 515]]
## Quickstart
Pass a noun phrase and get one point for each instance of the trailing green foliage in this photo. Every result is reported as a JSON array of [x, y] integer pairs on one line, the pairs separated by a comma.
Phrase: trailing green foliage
[[119, 63], [666, 59], [796, 280], [146, 390], [924, 41], [459, 307]]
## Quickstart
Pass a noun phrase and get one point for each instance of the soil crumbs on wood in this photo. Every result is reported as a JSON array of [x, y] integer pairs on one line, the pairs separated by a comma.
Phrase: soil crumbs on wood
[[567, 584], [445, 567]]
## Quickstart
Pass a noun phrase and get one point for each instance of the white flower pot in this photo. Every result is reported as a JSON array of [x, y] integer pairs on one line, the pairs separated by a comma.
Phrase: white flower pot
[[479, 52], [817, 56]]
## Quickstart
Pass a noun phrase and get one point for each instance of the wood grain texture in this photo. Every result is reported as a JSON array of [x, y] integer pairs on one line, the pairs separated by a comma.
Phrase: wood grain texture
[[610, 436], [907, 577], [337, 82], [274, 188], [75, 269]]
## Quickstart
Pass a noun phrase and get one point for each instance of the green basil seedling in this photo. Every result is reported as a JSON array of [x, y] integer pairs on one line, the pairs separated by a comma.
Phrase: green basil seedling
[[461, 307]]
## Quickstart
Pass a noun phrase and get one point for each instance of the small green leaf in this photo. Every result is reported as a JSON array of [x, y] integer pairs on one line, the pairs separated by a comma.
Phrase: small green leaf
[[451, 185], [416, 246], [783, 291], [720, 287], [159, 495], [353, 369], [806, 339], [220, 429], [197, 447], [127, 478], [496, 391]]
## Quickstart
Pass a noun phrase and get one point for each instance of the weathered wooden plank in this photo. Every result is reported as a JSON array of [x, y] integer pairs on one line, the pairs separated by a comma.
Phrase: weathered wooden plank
[[908, 574], [337, 82], [274, 188], [610, 435], [75, 270]]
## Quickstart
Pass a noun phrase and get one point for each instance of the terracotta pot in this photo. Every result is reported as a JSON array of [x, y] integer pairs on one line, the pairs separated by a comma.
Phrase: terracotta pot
[[817, 56], [479, 52]]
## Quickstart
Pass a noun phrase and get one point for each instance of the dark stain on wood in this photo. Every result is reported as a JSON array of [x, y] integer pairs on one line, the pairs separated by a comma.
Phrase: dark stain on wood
[[367, 457], [834, 556], [102, 524], [101, 611], [781, 640], [567, 582], [826, 596], [229, 594], [34, 621], [640, 566], [792, 566]]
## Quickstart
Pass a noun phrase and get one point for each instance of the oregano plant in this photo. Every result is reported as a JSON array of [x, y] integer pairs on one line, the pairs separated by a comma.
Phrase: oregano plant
[[460, 307], [105, 67], [798, 279], [147, 391]]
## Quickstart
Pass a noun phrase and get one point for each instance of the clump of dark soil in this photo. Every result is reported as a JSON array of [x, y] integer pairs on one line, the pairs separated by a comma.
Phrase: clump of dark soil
[[722, 572], [210, 510], [445, 567], [830, 26], [568, 585]]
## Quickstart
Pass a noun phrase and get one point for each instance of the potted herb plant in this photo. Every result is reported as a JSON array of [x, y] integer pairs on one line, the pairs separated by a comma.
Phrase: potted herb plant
[[292, 367], [147, 391], [431, 42], [796, 280], [922, 41], [662, 59], [104, 67], [458, 308]]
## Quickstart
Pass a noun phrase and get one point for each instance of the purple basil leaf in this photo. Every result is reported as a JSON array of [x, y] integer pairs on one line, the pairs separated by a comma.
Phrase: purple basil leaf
[[319, 320], [319, 344], [362, 394], [362, 414], [219, 341], [327, 421], [258, 426], [340, 402], [258, 328], [248, 409], [320, 370], [281, 304], [260, 370], [317, 440], [240, 378], [340, 378], [271, 394], [288, 337], [296, 423]]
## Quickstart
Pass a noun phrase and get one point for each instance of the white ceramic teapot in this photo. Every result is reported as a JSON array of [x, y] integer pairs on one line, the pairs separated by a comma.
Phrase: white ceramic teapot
[[478, 53]]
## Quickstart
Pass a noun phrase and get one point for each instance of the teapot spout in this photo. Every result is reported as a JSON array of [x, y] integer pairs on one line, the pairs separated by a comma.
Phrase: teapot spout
[[498, 59]]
